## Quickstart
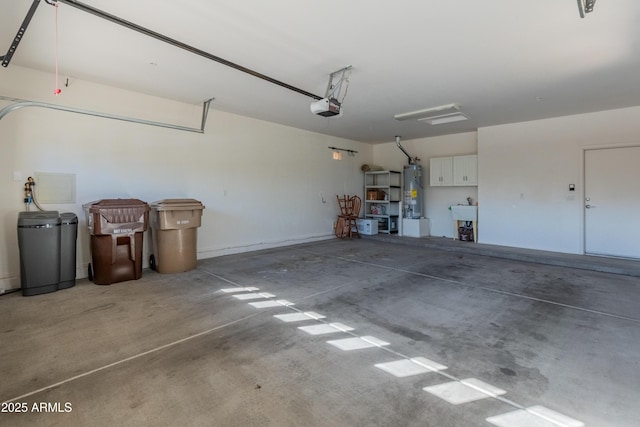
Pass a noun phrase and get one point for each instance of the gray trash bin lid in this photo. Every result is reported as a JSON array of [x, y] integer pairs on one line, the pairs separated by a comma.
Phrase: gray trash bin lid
[[68, 218], [38, 219]]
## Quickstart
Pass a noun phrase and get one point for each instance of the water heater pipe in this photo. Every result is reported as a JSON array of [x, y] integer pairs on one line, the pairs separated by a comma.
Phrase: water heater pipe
[[32, 183], [412, 160]]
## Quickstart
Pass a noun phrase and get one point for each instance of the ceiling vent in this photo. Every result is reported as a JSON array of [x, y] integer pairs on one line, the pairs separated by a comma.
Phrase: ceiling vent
[[435, 116]]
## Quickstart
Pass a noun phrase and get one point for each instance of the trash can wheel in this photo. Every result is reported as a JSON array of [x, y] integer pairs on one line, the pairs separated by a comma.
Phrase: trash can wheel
[[89, 272], [152, 262]]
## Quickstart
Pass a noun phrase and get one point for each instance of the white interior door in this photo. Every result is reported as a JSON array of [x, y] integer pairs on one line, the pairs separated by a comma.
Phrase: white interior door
[[612, 201]]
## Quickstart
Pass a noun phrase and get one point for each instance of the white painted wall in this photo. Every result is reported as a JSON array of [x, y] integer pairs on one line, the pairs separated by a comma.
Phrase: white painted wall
[[261, 182], [437, 199], [524, 174]]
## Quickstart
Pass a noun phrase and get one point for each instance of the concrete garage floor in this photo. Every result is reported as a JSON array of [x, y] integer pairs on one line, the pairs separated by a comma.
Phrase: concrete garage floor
[[170, 350]]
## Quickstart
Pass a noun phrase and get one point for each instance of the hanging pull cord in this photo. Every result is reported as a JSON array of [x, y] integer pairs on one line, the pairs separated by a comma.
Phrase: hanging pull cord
[[57, 90]]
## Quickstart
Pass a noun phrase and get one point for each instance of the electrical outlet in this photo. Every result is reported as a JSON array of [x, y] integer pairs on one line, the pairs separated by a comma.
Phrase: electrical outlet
[[17, 176]]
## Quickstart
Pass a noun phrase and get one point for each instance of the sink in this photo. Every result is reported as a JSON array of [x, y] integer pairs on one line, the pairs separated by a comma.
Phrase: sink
[[464, 213]]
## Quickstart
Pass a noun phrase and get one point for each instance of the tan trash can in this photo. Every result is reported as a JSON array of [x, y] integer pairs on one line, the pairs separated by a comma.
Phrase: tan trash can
[[174, 224]]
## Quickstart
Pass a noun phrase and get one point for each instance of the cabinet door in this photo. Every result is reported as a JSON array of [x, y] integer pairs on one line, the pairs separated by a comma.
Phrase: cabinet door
[[440, 171], [472, 170], [465, 170]]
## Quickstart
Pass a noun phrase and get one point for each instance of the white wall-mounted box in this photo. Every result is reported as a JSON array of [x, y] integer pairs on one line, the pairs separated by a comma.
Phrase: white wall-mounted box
[[57, 188]]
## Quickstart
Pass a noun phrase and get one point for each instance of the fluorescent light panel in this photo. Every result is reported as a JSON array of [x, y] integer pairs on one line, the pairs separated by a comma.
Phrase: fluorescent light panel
[[434, 112], [449, 118]]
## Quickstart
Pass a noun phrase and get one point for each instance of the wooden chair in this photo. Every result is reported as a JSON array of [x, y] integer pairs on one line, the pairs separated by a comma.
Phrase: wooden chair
[[346, 224], [355, 203], [342, 229]]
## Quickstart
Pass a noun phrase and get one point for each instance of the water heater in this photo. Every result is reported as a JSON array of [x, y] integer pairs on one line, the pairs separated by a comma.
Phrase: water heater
[[413, 191]]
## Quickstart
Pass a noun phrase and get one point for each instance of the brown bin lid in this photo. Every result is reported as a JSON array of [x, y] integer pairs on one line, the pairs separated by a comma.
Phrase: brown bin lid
[[119, 210], [176, 204], [116, 203]]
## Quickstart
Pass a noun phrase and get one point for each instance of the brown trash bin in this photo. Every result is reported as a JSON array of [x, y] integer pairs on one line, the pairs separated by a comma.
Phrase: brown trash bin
[[116, 227], [174, 224]]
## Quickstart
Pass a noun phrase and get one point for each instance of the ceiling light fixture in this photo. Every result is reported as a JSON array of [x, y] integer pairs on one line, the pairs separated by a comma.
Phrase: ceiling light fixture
[[585, 6], [434, 116], [429, 113], [337, 155], [449, 118]]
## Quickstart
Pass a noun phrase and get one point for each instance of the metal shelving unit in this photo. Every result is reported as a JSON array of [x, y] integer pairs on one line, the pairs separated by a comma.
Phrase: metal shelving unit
[[382, 190]]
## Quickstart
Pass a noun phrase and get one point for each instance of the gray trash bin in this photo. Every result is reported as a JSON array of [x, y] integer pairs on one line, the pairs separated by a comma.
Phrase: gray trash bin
[[39, 246], [68, 238]]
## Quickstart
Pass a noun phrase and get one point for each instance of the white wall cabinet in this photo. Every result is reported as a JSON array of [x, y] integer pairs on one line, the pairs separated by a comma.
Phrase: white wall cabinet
[[453, 171], [441, 171], [465, 170]]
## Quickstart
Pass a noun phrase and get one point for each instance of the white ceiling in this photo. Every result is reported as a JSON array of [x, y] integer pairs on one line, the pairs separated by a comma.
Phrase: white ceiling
[[502, 61]]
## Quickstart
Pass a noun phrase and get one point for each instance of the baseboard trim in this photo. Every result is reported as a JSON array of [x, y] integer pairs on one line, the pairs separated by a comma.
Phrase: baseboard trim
[[213, 252]]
